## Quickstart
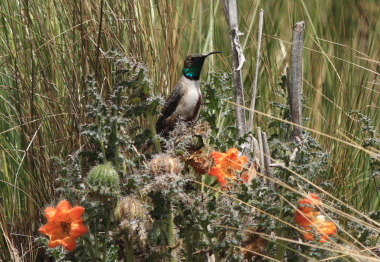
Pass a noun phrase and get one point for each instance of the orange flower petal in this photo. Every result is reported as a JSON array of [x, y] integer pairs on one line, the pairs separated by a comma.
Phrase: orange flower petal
[[54, 244], [222, 181], [243, 160], [50, 212], [238, 163], [76, 212], [69, 243], [232, 158], [309, 236], [215, 171], [217, 156], [314, 197], [306, 205], [57, 238], [219, 175], [64, 205], [245, 177], [232, 151], [78, 229], [303, 219], [328, 228], [323, 239], [50, 229], [232, 154]]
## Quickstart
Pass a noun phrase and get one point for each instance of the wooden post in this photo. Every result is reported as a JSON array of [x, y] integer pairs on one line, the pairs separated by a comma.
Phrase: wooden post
[[256, 80], [230, 11], [295, 87], [267, 162]]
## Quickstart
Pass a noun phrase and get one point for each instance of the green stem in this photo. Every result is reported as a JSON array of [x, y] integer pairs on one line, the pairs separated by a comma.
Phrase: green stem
[[108, 222], [192, 238], [116, 129], [152, 126], [188, 242], [96, 240], [230, 251], [281, 248], [103, 150], [129, 251], [101, 140], [305, 250], [209, 238], [171, 233], [90, 248]]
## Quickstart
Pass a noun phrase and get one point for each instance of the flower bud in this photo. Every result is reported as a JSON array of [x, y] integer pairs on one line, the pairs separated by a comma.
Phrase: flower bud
[[133, 221], [129, 208], [163, 164], [200, 161], [104, 180], [319, 220]]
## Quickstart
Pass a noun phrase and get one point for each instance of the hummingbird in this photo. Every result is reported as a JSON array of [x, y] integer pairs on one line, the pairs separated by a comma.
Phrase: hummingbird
[[185, 101]]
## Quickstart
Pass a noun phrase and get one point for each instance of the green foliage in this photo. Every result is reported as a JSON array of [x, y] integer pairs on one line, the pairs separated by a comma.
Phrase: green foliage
[[217, 110], [114, 127], [371, 140], [110, 139]]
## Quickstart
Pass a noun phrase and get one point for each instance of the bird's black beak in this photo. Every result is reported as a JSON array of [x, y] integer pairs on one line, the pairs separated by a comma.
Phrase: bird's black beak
[[207, 54]]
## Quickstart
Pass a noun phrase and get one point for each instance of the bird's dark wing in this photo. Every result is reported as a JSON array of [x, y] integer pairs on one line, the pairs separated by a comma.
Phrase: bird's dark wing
[[162, 126]]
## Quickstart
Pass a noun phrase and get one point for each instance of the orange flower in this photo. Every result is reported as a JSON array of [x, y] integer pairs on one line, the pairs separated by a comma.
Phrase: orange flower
[[323, 231], [64, 225], [328, 229], [311, 220], [226, 165], [304, 214]]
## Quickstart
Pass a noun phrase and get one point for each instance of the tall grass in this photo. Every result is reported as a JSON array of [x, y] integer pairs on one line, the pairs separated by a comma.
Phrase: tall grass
[[48, 47]]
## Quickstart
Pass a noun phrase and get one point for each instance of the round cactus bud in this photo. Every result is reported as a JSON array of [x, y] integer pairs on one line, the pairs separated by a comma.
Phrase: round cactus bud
[[163, 164], [129, 208], [104, 180]]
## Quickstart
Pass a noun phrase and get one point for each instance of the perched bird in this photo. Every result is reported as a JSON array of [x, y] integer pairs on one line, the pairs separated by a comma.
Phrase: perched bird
[[185, 101]]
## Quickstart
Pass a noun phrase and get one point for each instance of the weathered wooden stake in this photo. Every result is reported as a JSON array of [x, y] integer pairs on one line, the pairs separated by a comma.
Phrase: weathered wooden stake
[[230, 10], [256, 80], [267, 162], [295, 87], [261, 147]]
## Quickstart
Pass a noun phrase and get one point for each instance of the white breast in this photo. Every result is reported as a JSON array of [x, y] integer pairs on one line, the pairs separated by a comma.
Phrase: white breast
[[186, 108]]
